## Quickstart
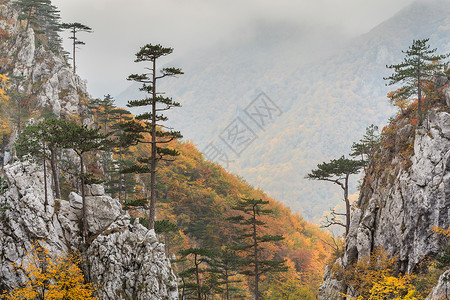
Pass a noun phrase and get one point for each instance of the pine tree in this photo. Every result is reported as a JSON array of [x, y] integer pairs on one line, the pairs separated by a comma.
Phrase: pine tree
[[226, 266], [47, 135], [81, 140], [251, 211], [165, 228], [366, 146], [194, 275], [18, 101], [74, 29], [118, 183], [146, 128], [31, 142], [418, 68], [338, 172]]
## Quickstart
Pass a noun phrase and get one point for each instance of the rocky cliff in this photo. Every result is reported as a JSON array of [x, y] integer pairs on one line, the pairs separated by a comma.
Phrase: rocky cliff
[[123, 259], [404, 195], [47, 77]]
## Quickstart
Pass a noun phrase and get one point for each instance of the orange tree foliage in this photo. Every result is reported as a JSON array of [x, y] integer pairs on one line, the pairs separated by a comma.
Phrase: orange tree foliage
[[51, 278], [197, 196]]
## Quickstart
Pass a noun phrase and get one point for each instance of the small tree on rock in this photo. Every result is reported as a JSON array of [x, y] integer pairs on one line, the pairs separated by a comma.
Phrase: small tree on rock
[[418, 68], [338, 172], [74, 29], [81, 140]]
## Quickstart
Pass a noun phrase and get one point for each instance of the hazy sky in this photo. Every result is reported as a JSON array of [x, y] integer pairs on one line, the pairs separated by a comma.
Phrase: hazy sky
[[121, 27]]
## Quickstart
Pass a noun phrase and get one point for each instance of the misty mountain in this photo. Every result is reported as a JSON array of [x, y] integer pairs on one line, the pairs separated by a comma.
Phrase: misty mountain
[[320, 92]]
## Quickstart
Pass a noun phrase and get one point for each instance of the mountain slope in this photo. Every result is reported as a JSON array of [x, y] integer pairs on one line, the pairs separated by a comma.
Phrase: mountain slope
[[325, 99]]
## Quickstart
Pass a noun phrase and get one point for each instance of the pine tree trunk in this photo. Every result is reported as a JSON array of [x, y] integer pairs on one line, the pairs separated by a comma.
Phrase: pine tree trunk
[[74, 47], [152, 209], [419, 100], [83, 197], [197, 275], [255, 245], [45, 182], [347, 205], [55, 174]]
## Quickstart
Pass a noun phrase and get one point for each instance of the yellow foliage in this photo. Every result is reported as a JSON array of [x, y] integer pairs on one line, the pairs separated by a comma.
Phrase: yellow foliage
[[397, 99], [3, 87], [51, 279], [441, 231], [396, 288], [374, 278]]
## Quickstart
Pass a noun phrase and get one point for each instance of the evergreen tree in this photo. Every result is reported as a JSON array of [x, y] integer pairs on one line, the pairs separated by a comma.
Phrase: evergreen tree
[[74, 29], [366, 146], [81, 140], [146, 127], [201, 258], [106, 108], [46, 135], [31, 142], [226, 266], [94, 106], [418, 68], [251, 211], [18, 101], [165, 228], [338, 172]]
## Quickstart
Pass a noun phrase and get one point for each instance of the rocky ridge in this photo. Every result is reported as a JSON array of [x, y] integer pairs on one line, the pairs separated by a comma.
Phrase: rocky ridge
[[48, 79], [401, 200], [124, 259]]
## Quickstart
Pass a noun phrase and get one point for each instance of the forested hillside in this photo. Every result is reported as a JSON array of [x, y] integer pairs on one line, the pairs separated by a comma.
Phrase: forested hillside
[[327, 99], [52, 130], [198, 196]]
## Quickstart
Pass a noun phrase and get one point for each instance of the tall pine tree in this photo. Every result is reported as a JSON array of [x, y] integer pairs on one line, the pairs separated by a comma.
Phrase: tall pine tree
[[147, 127], [255, 262], [75, 28]]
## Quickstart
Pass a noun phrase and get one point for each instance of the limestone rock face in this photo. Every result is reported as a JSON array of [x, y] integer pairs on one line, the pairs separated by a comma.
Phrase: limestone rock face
[[124, 260], [404, 199], [442, 289], [47, 77]]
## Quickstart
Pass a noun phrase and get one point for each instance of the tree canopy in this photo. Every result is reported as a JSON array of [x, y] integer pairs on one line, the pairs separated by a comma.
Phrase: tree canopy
[[419, 66]]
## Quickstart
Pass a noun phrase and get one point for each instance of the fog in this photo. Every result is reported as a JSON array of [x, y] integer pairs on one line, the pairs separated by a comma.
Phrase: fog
[[121, 27]]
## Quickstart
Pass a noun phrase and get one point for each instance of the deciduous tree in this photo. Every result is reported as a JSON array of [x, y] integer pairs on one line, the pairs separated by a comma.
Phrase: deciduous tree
[[51, 278]]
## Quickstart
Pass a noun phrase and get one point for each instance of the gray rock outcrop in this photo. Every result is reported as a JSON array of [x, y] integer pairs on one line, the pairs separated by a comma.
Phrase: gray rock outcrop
[[123, 259], [48, 79], [402, 200]]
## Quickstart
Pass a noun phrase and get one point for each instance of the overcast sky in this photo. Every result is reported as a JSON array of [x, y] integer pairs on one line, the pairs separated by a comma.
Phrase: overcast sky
[[121, 27]]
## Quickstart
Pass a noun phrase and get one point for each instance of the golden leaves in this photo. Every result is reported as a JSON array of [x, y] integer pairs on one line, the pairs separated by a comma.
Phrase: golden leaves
[[51, 278]]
